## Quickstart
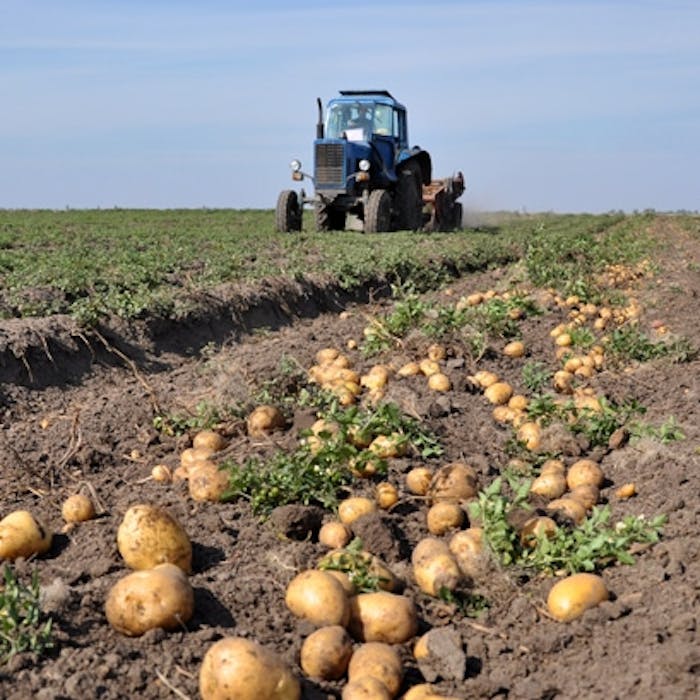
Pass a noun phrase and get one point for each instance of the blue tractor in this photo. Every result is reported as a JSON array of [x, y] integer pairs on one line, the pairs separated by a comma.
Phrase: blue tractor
[[366, 176]]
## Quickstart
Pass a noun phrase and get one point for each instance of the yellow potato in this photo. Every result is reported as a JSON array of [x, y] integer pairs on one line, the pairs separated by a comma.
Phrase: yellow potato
[[434, 567], [209, 439], [235, 668], [382, 617], [467, 548], [454, 482], [584, 471], [550, 485], [586, 494], [387, 495], [334, 534], [144, 600], [326, 652], [354, 507], [378, 660], [263, 420], [498, 393], [439, 382], [572, 596], [444, 516], [22, 534], [365, 688], [206, 482], [515, 348], [149, 535], [77, 508], [318, 597], [569, 507], [418, 480], [536, 527], [192, 455]]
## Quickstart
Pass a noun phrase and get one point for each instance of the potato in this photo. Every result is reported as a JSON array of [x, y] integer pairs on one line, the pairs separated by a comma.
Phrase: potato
[[586, 494], [327, 355], [428, 367], [515, 348], [498, 393], [144, 600], [550, 485], [518, 402], [77, 508], [418, 480], [422, 691], [318, 597], [410, 369], [382, 617], [22, 534], [149, 535], [568, 507], [485, 379], [209, 439], [444, 516], [235, 668], [467, 548], [536, 527], [326, 652], [365, 688], [334, 534], [380, 661], [625, 491], [439, 382], [161, 473], [192, 455], [206, 482], [434, 567], [389, 446], [531, 434], [344, 580], [584, 472], [354, 507], [573, 595], [387, 495], [263, 420], [455, 482], [562, 381], [553, 466], [437, 352]]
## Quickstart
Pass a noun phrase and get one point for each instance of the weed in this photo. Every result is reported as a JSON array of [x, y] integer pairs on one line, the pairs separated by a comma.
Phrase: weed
[[630, 344], [592, 545], [536, 376], [22, 625], [357, 564], [205, 416], [468, 604], [582, 337], [668, 431]]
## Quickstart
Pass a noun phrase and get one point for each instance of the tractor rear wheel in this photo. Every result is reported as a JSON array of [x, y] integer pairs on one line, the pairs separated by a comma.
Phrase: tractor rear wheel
[[328, 218], [288, 212], [409, 199], [378, 212]]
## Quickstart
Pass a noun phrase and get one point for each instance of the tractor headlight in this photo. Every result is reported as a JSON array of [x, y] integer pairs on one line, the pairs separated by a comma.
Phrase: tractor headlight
[[364, 165], [295, 165]]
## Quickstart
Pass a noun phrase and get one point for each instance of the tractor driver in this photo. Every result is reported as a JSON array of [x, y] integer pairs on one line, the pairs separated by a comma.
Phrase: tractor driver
[[363, 120]]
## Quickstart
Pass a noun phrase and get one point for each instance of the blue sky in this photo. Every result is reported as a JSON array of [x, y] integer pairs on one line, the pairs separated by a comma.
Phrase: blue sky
[[576, 105]]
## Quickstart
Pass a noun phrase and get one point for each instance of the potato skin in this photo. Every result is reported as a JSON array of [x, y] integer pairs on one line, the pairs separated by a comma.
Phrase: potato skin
[[326, 652], [455, 482], [77, 508], [318, 597], [22, 534], [235, 668], [365, 688], [380, 661], [382, 617], [206, 482], [573, 595], [149, 535], [144, 600]]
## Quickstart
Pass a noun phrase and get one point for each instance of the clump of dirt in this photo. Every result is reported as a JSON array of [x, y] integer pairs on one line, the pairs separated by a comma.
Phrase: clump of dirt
[[77, 414]]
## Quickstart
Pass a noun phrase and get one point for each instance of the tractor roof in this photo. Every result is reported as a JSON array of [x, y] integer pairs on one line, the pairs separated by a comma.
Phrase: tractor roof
[[381, 96]]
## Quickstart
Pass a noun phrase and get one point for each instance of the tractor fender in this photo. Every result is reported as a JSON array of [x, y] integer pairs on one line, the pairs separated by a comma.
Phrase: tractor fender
[[417, 155]]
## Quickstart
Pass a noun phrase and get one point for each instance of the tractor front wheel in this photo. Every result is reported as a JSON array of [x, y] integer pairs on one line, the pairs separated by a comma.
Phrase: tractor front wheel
[[409, 199], [288, 212], [378, 212]]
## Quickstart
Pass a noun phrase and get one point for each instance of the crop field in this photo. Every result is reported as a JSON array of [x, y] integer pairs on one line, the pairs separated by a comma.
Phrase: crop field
[[400, 465]]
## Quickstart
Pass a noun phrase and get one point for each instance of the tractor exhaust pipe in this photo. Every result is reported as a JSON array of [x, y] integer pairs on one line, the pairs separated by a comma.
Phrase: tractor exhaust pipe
[[319, 123]]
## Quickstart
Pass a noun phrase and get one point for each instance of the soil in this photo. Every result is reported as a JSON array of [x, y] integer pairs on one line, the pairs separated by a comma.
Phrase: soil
[[77, 414]]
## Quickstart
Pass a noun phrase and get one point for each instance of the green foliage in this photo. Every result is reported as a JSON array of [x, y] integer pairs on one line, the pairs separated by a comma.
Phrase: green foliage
[[319, 475], [582, 337], [590, 546], [536, 376], [668, 431], [593, 545], [22, 625], [467, 603], [205, 416], [630, 344], [356, 563]]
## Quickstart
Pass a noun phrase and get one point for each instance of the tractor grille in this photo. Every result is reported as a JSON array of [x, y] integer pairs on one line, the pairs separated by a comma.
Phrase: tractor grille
[[329, 164]]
